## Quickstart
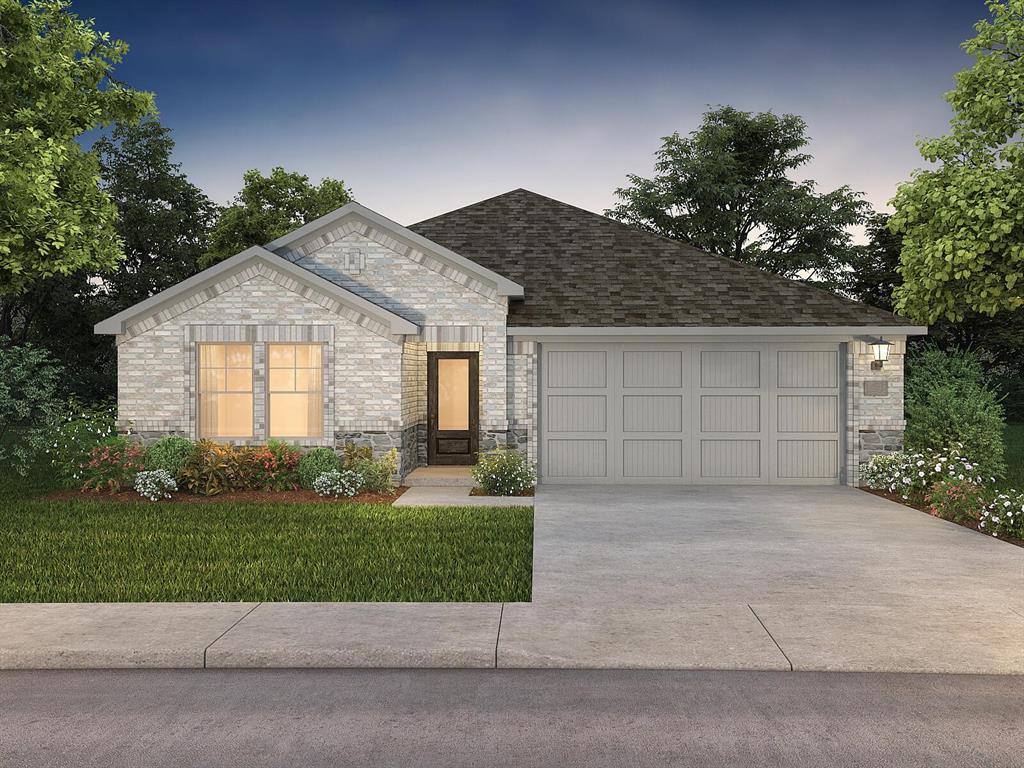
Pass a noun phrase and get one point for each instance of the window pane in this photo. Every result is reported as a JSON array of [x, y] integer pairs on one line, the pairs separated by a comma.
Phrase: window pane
[[223, 415], [281, 355], [453, 394], [211, 355], [308, 379], [211, 380], [295, 415], [282, 380], [239, 379], [238, 355], [307, 356]]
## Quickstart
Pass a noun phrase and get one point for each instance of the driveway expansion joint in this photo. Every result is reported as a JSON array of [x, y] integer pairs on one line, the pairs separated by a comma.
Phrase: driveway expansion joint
[[240, 620], [788, 661], [497, 637]]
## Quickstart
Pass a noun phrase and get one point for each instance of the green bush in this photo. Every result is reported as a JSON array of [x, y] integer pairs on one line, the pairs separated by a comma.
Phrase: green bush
[[956, 500], [214, 468], [352, 453], [112, 466], [81, 429], [378, 475], [1003, 516], [315, 462], [504, 472], [30, 404], [949, 399], [169, 454]]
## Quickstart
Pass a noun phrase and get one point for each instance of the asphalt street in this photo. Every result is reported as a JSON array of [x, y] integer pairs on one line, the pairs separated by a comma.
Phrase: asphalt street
[[367, 717]]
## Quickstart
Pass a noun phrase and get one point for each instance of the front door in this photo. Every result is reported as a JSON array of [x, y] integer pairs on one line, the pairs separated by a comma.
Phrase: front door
[[453, 407]]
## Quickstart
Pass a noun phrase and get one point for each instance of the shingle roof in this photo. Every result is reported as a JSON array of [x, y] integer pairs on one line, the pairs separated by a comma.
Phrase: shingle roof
[[582, 269]]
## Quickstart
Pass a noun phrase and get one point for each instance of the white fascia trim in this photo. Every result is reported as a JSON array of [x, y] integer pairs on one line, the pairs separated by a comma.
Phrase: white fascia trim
[[117, 323], [732, 330], [503, 285]]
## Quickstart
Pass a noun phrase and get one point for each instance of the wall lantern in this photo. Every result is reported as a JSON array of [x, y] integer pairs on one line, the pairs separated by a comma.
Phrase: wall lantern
[[880, 352]]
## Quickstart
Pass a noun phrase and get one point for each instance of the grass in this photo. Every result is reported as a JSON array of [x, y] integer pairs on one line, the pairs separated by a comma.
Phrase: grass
[[93, 551], [1015, 455]]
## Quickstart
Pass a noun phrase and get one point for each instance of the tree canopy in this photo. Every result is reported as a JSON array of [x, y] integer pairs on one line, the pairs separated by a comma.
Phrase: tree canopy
[[271, 206], [962, 222], [56, 84], [726, 188]]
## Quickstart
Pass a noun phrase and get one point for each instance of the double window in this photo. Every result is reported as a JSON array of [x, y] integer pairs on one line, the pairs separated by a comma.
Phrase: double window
[[294, 391]]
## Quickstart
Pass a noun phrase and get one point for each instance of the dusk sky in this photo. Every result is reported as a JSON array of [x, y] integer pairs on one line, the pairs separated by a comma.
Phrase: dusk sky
[[424, 107]]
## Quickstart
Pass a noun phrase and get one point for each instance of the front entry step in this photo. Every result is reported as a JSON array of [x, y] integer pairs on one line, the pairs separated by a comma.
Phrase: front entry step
[[440, 477]]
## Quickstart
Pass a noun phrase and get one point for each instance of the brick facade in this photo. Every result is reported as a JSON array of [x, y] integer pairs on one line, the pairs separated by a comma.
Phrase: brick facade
[[875, 417]]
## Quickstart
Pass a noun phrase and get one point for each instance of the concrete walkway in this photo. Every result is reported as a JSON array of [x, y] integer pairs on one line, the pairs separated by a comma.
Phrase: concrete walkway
[[683, 578]]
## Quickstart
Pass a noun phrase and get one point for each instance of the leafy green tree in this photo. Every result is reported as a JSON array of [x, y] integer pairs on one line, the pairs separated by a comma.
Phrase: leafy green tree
[[271, 206], [57, 84], [874, 268], [30, 403], [726, 188], [962, 221], [164, 220]]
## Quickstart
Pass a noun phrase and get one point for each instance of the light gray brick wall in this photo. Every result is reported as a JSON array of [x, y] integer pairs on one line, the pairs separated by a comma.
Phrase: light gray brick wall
[[155, 362], [876, 419], [522, 394]]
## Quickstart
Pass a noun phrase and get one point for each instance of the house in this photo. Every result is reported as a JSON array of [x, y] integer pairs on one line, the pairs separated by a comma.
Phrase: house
[[608, 354]]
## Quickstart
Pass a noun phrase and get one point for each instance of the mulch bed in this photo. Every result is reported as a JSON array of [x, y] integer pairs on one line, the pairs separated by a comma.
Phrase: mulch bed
[[258, 497], [481, 492], [972, 524]]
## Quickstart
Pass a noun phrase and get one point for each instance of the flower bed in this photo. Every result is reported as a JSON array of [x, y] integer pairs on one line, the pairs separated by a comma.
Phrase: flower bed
[[948, 485], [301, 496]]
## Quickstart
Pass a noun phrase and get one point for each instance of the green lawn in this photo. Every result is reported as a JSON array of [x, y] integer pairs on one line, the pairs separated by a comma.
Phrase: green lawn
[[1015, 455], [53, 551]]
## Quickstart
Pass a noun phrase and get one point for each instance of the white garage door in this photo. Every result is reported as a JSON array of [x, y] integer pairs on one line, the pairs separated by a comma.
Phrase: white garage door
[[691, 413]]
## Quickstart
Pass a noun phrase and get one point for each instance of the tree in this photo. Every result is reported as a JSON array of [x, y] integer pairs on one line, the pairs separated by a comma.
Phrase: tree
[[962, 222], [271, 206], [57, 84], [164, 220], [30, 403], [725, 188], [874, 268]]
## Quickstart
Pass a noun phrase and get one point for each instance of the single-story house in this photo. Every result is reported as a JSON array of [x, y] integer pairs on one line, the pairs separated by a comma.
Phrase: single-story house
[[610, 355]]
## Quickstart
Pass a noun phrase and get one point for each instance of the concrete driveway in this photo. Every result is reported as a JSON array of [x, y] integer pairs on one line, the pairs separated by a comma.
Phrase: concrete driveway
[[734, 577]]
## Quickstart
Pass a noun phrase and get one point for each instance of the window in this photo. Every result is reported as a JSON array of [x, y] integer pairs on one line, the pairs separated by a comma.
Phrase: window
[[225, 390], [295, 390]]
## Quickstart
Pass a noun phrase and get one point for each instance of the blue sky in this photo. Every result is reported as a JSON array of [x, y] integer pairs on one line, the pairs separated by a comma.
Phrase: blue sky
[[424, 107]]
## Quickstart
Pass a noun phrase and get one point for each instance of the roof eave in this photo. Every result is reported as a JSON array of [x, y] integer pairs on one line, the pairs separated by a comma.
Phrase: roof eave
[[718, 330]]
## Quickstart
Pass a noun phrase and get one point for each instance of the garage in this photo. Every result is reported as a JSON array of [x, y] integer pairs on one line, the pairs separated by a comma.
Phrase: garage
[[692, 413]]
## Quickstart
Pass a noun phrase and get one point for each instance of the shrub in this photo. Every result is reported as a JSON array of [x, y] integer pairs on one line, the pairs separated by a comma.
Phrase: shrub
[[353, 453], [273, 467], [214, 468], [80, 430], [956, 500], [1004, 516], [169, 454], [912, 475], [504, 472], [316, 462], [949, 399], [338, 482], [113, 465], [378, 475], [30, 406], [155, 484]]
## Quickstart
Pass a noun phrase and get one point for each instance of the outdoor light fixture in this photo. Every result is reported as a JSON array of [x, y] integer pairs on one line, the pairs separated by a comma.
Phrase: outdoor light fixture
[[880, 351]]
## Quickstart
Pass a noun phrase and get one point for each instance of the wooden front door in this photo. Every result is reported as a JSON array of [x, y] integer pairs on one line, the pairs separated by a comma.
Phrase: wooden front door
[[453, 407]]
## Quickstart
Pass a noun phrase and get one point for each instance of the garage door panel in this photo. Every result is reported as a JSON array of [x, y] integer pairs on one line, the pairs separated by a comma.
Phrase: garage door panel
[[652, 368], [577, 458], [584, 369], [577, 413], [729, 368], [808, 459], [808, 369], [808, 413], [730, 458], [652, 413], [652, 458], [730, 413]]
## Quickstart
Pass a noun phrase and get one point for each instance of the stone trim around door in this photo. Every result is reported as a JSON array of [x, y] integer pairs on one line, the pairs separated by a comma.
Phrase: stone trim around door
[[259, 336]]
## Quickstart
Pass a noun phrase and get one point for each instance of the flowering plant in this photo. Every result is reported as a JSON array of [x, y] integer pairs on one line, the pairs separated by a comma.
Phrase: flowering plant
[[912, 475], [155, 485], [956, 500], [80, 430], [272, 467], [504, 472], [1004, 515], [338, 482], [112, 465]]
